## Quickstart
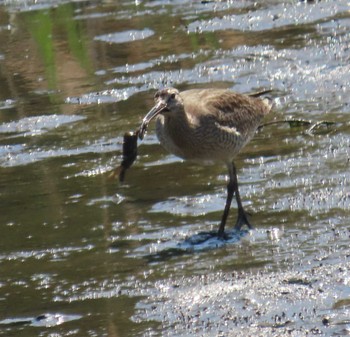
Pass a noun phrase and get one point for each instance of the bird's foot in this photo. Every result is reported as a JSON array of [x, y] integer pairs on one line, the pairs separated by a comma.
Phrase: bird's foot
[[242, 219]]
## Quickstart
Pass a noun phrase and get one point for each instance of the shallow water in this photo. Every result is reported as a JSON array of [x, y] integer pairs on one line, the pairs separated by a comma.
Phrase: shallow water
[[81, 255]]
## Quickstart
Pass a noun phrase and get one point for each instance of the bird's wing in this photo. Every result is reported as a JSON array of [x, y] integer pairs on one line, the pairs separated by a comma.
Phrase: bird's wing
[[233, 110]]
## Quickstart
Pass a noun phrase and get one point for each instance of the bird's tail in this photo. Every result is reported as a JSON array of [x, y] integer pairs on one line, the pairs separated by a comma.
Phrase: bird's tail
[[268, 101], [260, 93]]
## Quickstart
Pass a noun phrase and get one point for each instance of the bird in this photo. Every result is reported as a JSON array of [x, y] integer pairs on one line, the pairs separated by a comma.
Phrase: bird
[[208, 125]]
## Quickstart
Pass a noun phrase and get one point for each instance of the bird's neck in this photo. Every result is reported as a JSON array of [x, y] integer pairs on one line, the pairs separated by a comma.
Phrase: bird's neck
[[178, 123], [174, 132]]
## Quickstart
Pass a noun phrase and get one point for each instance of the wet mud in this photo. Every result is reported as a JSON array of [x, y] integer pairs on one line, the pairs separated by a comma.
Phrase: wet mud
[[301, 302]]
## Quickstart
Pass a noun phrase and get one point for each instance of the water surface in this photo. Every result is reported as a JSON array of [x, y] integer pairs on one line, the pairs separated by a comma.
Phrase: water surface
[[81, 255]]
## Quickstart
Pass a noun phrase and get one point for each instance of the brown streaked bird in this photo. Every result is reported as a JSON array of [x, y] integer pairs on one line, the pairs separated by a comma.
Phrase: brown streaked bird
[[208, 125]]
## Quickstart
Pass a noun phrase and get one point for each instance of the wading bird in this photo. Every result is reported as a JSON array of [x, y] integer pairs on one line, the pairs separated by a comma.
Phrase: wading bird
[[208, 125]]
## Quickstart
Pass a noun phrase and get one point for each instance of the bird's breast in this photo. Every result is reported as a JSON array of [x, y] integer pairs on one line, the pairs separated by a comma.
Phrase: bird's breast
[[199, 141], [170, 136]]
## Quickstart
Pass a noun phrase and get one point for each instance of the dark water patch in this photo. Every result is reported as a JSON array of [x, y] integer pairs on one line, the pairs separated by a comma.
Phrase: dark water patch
[[210, 240]]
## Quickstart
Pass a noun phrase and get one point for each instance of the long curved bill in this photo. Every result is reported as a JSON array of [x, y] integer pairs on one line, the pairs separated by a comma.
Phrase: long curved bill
[[157, 109]]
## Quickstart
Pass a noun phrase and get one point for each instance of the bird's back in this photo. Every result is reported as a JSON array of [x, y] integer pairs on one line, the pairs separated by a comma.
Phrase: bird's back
[[227, 107]]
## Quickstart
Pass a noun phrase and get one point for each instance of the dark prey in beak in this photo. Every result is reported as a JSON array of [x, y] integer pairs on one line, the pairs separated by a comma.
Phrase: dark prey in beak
[[130, 141], [129, 155]]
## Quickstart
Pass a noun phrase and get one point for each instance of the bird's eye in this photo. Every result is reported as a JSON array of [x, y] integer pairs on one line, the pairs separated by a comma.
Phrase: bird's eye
[[172, 96]]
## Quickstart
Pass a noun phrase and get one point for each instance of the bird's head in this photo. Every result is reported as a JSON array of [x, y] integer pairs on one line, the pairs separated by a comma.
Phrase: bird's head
[[166, 100]]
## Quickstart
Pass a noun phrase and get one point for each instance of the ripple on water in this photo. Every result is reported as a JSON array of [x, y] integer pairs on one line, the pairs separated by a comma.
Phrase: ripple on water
[[106, 96], [190, 205], [126, 36], [37, 125], [44, 320], [269, 18], [8, 103], [54, 254]]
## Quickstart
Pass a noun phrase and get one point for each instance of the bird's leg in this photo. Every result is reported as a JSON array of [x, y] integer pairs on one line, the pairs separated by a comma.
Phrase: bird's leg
[[242, 218], [230, 190], [232, 187]]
